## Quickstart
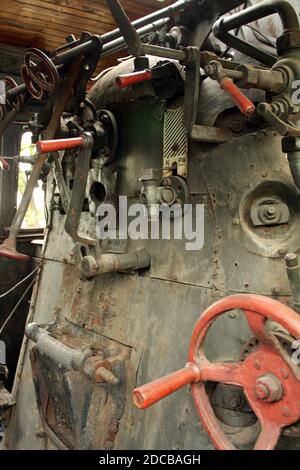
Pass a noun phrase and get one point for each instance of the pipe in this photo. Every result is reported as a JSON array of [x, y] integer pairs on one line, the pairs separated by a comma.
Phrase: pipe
[[285, 10], [109, 263], [294, 162], [293, 272], [291, 146], [222, 27], [93, 366], [166, 12], [109, 38], [118, 44]]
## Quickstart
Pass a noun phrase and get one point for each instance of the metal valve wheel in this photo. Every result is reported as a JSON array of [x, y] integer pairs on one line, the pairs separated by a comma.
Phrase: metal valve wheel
[[41, 69], [268, 377]]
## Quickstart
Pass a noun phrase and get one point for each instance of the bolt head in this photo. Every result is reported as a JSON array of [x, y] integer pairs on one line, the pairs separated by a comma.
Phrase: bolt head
[[89, 267], [288, 40], [268, 388]]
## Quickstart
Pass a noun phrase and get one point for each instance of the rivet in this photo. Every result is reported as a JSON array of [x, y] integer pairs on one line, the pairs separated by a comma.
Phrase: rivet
[[286, 412], [285, 373], [257, 365]]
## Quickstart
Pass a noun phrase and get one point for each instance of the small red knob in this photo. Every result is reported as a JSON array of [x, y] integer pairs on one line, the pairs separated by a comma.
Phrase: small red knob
[[128, 79], [48, 146], [151, 393], [243, 103]]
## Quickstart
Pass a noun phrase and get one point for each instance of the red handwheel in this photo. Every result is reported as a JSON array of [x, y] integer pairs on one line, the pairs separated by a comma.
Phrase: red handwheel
[[270, 380]]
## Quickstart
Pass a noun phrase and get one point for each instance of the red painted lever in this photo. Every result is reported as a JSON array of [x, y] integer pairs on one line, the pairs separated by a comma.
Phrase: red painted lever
[[8, 250], [151, 393], [244, 104], [48, 146], [128, 79]]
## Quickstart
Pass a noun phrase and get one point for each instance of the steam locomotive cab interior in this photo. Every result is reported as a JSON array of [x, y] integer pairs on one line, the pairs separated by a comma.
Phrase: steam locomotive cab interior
[[166, 292]]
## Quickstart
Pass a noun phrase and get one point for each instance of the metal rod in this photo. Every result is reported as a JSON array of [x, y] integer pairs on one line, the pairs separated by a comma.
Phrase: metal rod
[[38, 166], [127, 29], [164, 52], [11, 116], [166, 12], [119, 43], [261, 10], [285, 10]]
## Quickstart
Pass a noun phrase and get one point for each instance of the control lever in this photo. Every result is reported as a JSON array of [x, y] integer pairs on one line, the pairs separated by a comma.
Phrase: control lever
[[85, 143], [216, 71], [128, 79], [78, 191]]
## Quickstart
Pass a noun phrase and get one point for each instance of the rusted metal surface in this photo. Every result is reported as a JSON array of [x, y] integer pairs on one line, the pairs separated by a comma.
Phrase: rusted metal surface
[[98, 336], [64, 395]]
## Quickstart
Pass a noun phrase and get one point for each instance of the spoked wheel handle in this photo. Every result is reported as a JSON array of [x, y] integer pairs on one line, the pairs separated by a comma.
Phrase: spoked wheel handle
[[267, 375]]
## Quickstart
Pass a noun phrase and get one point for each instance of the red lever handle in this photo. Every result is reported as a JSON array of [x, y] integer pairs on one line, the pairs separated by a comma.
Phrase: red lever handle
[[243, 103], [48, 146], [128, 79], [8, 250], [151, 393]]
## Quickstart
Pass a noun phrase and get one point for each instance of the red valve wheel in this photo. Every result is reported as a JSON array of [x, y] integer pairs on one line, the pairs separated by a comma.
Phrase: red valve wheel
[[268, 377]]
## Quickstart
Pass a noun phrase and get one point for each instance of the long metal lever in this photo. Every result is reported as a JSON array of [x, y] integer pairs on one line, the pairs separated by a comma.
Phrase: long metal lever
[[78, 193], [128, 31]]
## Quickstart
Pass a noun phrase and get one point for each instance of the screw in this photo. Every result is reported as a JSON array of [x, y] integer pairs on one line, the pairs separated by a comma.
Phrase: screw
[[237, 127], [270, 212], [235, 401]]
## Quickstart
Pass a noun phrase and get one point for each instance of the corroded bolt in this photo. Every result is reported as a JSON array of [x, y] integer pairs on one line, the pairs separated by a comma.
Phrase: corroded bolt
[[105, 375], [89, 267], [270, 212], [268, 388]]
